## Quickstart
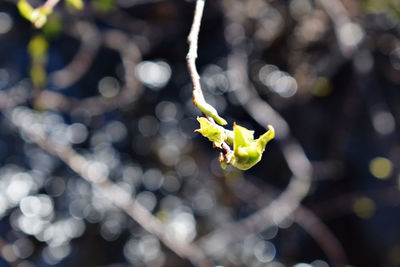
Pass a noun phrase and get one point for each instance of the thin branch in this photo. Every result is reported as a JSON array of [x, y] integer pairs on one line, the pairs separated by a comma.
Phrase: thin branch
[[198, 97], [50, 4], [192, 54]]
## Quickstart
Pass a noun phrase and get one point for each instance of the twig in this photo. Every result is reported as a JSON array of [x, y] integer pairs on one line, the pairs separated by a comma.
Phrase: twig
[[192, 54], [198, 97], [50, 4], [113, 192]]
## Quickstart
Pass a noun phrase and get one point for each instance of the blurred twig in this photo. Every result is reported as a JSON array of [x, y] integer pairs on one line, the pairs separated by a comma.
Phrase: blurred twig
[[50, 4], [130, 55], [118, 196], [303, 216], [348, 34], [90, 40]]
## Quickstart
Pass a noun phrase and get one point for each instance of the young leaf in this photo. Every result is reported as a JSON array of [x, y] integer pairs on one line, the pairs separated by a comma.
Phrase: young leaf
[[38, 16], [247, 151], [210, 111], [77, 4], [25, 9], [213, 132], [37, 49]]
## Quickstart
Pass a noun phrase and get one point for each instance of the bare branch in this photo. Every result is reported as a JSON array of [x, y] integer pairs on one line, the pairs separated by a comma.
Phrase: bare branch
[[192, 54], [198, 97], [50, 4]]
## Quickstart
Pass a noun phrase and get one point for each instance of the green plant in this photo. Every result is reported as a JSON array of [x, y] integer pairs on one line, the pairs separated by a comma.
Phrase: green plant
[[246, 151]]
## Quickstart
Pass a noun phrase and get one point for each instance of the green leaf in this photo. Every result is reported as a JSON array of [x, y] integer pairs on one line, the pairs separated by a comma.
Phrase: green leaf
[[37, 49], [77, 4], [38, 16], [210, 111], [247, 151], [37, 46], [25, 9], [104, 5], [53, 26], [213, 132], [389, 7]]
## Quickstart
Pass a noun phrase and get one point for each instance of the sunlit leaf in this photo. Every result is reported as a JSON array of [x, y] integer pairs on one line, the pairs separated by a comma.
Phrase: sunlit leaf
[[53, 26], [77, 4], [38, 16], [389, 7], [37, 49], [210, 111], [104, 5], [37, 46], [213, 132], [247, 151], [25, 9]]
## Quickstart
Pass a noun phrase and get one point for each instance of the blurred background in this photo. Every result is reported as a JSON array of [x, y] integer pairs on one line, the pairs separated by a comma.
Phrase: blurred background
[[100, 99]]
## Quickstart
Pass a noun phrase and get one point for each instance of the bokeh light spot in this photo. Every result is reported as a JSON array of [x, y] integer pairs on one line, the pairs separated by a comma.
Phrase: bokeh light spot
[[76, 133], [364, 207], [109, 86], [154, 74], [321, 87], [264, 251], [383, 122], [6, 23], [381, 167]]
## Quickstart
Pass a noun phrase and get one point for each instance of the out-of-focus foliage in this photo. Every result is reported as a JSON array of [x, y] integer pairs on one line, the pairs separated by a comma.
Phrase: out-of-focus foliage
[[37, 49], [77, 4], [38, 16], [390, 7], [53, 26], [104, 5]]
